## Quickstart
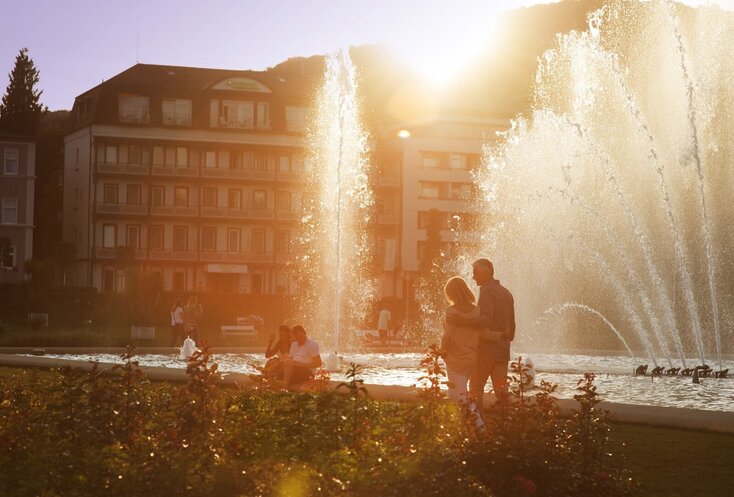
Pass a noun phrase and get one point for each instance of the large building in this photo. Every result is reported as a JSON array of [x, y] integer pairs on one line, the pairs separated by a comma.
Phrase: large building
[[196, 174], [17, 184]]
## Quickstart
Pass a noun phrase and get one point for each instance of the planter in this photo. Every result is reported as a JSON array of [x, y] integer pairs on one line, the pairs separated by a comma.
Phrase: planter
[[143, 332]]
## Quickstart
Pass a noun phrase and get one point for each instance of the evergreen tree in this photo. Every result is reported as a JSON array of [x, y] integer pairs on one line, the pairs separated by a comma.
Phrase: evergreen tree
[[20, 110]]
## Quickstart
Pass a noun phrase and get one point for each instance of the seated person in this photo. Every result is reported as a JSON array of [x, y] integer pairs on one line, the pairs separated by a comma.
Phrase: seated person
[[302, 360], [276, 352]]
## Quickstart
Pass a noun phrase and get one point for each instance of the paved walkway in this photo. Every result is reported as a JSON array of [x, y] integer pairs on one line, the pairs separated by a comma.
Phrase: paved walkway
[[717, 421]]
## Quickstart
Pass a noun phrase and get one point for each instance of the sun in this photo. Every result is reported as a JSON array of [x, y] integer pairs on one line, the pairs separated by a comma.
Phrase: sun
[[444, 40]]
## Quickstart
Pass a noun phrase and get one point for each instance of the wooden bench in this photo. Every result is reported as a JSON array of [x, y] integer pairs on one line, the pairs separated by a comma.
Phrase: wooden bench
[[239, 330]]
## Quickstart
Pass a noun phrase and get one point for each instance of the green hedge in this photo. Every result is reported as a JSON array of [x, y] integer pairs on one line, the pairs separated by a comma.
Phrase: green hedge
[[73, 433]]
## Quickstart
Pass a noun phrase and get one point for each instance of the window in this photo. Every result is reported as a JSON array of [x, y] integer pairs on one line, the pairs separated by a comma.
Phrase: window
[[109, 195], [234, 199], [462, 191], [457, 161], [134, 195], [109, 235], [133, 154], [7, 256], [284, 163], [263, 115], [170, 160], [209, 197], [258, 241], [155, 237], [182, 157], [430, 160], [236, 114], [208, 239], [110, 152], [261, 161], [158, 155], [180, 238], [233, 241], [259, 199], [256, 283], [10, 211], [248, 159], [10, 162], [214, 113], [223, 159], [295, 118], [123, 153], [210, 159], [181, 196], [108, 280], [132, 236], [176, 111], [429, 189], [157, 195], [282, 242], [133, 108], [283, 201]]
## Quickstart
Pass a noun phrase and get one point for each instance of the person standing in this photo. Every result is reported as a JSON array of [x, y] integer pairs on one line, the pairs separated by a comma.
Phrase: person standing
[[384, 323], [177, 323], [191, 314], [496, 324], [460, 344]]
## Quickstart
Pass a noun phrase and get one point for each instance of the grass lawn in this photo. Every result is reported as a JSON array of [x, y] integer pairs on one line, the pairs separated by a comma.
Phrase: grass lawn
[[678, 463]]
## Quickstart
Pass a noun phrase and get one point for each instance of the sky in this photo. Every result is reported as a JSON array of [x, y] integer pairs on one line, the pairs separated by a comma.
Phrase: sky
[[76, 44]]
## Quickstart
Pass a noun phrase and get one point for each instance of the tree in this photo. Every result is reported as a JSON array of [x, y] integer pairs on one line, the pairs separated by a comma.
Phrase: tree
[[20, 110]]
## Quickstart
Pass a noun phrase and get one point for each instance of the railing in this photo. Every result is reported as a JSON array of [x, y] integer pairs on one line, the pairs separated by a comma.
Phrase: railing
[[133, 210], [287, 215], [172, 255], [173, 210], [109, 168], [113, 253], [262, 214], [290, 175], [182, 172], [220, 256]]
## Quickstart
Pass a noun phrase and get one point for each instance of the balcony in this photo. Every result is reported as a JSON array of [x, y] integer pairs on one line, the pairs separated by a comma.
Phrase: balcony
[[288, 215], [251, 174], [127, 169], [120, 209], [172, 255], [174, 210], [177, 172], [261, 214], [113, 253], [240, 257], [213, 212], [295, 176]]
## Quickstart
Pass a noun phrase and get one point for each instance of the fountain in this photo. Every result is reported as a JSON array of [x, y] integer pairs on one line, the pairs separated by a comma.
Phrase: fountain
[[614, 192], [335, 254]]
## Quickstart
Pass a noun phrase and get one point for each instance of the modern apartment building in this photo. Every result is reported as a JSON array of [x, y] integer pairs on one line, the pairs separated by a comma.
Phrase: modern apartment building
[[17, 183], [191, 173]]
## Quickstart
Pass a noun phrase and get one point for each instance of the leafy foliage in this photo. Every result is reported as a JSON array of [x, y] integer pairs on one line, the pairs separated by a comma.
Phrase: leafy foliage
[[113, 433]]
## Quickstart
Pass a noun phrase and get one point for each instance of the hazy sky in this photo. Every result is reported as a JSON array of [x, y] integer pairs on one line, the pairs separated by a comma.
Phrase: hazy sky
[[76, 44]]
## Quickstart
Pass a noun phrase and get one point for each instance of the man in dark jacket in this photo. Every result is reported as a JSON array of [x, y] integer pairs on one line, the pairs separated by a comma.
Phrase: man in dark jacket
[[496, 323]]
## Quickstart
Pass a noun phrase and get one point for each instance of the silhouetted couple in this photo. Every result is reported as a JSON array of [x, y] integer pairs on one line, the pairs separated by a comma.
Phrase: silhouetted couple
[[477, 338]]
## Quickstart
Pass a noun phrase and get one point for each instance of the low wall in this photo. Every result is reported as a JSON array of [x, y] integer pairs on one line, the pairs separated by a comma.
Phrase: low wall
[[717, 421]]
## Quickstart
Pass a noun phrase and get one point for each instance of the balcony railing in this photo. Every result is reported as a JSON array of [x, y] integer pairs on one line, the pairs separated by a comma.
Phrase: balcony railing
[[287, 215], [174, 210], [135, 169], [172, 255], [113, 253], [180, 172], [290, 175], [219, 256], [117, 209]]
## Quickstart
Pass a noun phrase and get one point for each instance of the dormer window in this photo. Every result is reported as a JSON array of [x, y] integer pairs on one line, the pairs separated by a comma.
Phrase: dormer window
[[133, 108], [176, 111]]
